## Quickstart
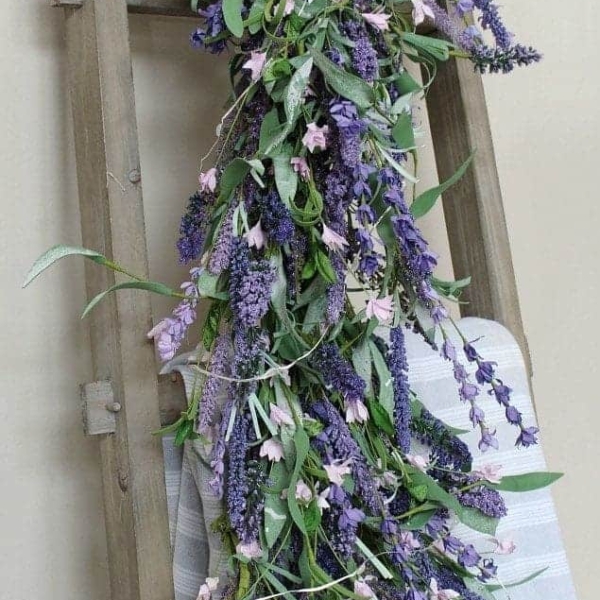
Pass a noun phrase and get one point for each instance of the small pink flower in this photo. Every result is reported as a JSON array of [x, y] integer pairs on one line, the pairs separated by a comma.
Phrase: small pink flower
[[436, 594], [155, 332], [256, 237], [255, 64], [289, 7], [418, 461], [315, 137], [300, 166], [272, 449], [303, 493], [333, 240], [337, 469], [420, 11], [380, 308], [490, 473], [251, 550], [506, 546], [207, 588], [280, 416], [377, 20], [363, 589], [208, 180], [356, 411]]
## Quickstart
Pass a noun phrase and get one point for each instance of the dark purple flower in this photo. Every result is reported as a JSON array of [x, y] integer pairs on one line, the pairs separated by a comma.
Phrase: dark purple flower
[[487, 570], [490, 19], [398, 367], [338, 373], [222, 249], [364, 59], [485, 499], [194, 224], [527, 437], [276, 218]]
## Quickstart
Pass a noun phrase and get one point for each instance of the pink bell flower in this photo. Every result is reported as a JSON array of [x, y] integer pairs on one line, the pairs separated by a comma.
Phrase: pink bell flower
[[303, 492], [300, 166], [255, 64], [420, 11], [250, 551], [418, 461], [436, 594], [315, 137], [380, 308], [377, 20], [208, 180], [272, 449], [279, 416], [333, 240], [256, 236], [490, 473], [356, 411], [337, 469]]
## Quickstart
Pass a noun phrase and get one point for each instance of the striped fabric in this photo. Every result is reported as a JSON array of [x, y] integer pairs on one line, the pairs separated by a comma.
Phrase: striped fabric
[[531, 520]]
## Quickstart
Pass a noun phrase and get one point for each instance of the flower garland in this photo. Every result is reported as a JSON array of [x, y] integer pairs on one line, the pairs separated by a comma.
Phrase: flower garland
[[304, 401]]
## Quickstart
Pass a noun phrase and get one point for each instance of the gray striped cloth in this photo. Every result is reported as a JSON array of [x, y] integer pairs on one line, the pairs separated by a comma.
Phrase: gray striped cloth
[[531, 522]]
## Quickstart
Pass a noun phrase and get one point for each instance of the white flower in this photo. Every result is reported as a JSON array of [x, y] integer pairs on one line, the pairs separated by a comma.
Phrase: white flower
[[356, 411], [272, 449], [251, 550], [207, 588], [420, 11], [322, 503], [333, 240], [377, 20], [362, 588], [490, 473], [436, 594], [255, 64], [208, 180], [256, 236], [418, 461], [303, 492], [315, 137], [336, 470], [380, 308]]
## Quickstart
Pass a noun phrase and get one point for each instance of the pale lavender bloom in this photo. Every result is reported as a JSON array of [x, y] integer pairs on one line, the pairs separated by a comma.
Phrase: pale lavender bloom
[[208, 180], [315, 137], [250, 550], [356, 411], [219, 365], [271, 449], [303, 493], [255, 64], [333, 240], [337, 469], [377, 20], [300, 166], [420, 11], [504, 547], [418, 461], [363, 589], [380, 308], [490, 473], [279, 416], [436, 594], [256, 237]]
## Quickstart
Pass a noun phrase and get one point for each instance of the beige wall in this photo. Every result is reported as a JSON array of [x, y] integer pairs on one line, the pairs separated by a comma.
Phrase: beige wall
[[546, 127]]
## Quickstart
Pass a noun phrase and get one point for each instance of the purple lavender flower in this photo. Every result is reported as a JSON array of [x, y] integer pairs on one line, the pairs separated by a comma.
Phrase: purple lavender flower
[[490, 19], [336, 292], [214, 25], [468, 556], [219, 365], [364, 59], [399, 369], [237, 482], [223, 247], [276, 218], [338, 372], [217, 458], [193, 226], [483, 498], [249, 286]]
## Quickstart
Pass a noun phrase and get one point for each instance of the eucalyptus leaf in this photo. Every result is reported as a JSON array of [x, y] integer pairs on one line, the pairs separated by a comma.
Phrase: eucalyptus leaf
[[434, 491], [325, 267], [148, 286], [345, 84], [381, 418], [56, 253], [232, 14], [426, 201]]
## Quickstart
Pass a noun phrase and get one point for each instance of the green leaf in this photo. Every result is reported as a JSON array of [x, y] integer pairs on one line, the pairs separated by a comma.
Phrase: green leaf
[[232, 13], [475, 519], [183, 432], [526, 482], [418, 492], [381, 418], [275, 512], [426, 201], [269, 130], [280, 587], [383, 570], [495, 588], [403, 132], [345, 84], [436, 48], [210, 329], [479, 589], [302, 446], [233, 175], [386, 386], [294, 97], [315, 314], [286, 179], [420, 519], [434, 490], [148, 286], [325, 267], [255, 16], [56, 253], [406, 83], [312, 517], [207, 286]]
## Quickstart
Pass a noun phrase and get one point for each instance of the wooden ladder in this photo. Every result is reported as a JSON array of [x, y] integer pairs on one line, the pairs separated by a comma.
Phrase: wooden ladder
[[127, 400]]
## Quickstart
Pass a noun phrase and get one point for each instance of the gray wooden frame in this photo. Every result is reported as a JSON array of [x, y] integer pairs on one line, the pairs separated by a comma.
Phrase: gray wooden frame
[[112, 221]]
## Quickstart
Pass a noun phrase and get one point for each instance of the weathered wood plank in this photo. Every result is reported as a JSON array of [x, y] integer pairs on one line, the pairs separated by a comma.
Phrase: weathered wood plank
[[112, 220], [169, 8], [473, 207]]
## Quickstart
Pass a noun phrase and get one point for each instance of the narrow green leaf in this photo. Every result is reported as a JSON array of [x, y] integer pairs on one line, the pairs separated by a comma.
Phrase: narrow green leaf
[[479, 589], [495, 588], [381, 418], [325, 267], [294, 97], [276, 512], [282, 589], [436, 48], [312, 517], [233, 175], [232, 13], [347, 85], [386, 386], [302, 446], [406, 83], [56, 253], [434, 490], [361, 360], [383, 570], [148, 286], [426, 201], [526, 482]]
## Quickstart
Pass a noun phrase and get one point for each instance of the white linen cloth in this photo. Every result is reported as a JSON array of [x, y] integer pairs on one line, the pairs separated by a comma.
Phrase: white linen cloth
[[531, 520]]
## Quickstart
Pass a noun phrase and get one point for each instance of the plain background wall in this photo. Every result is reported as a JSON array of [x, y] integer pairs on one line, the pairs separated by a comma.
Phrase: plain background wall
[[546, 128]]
